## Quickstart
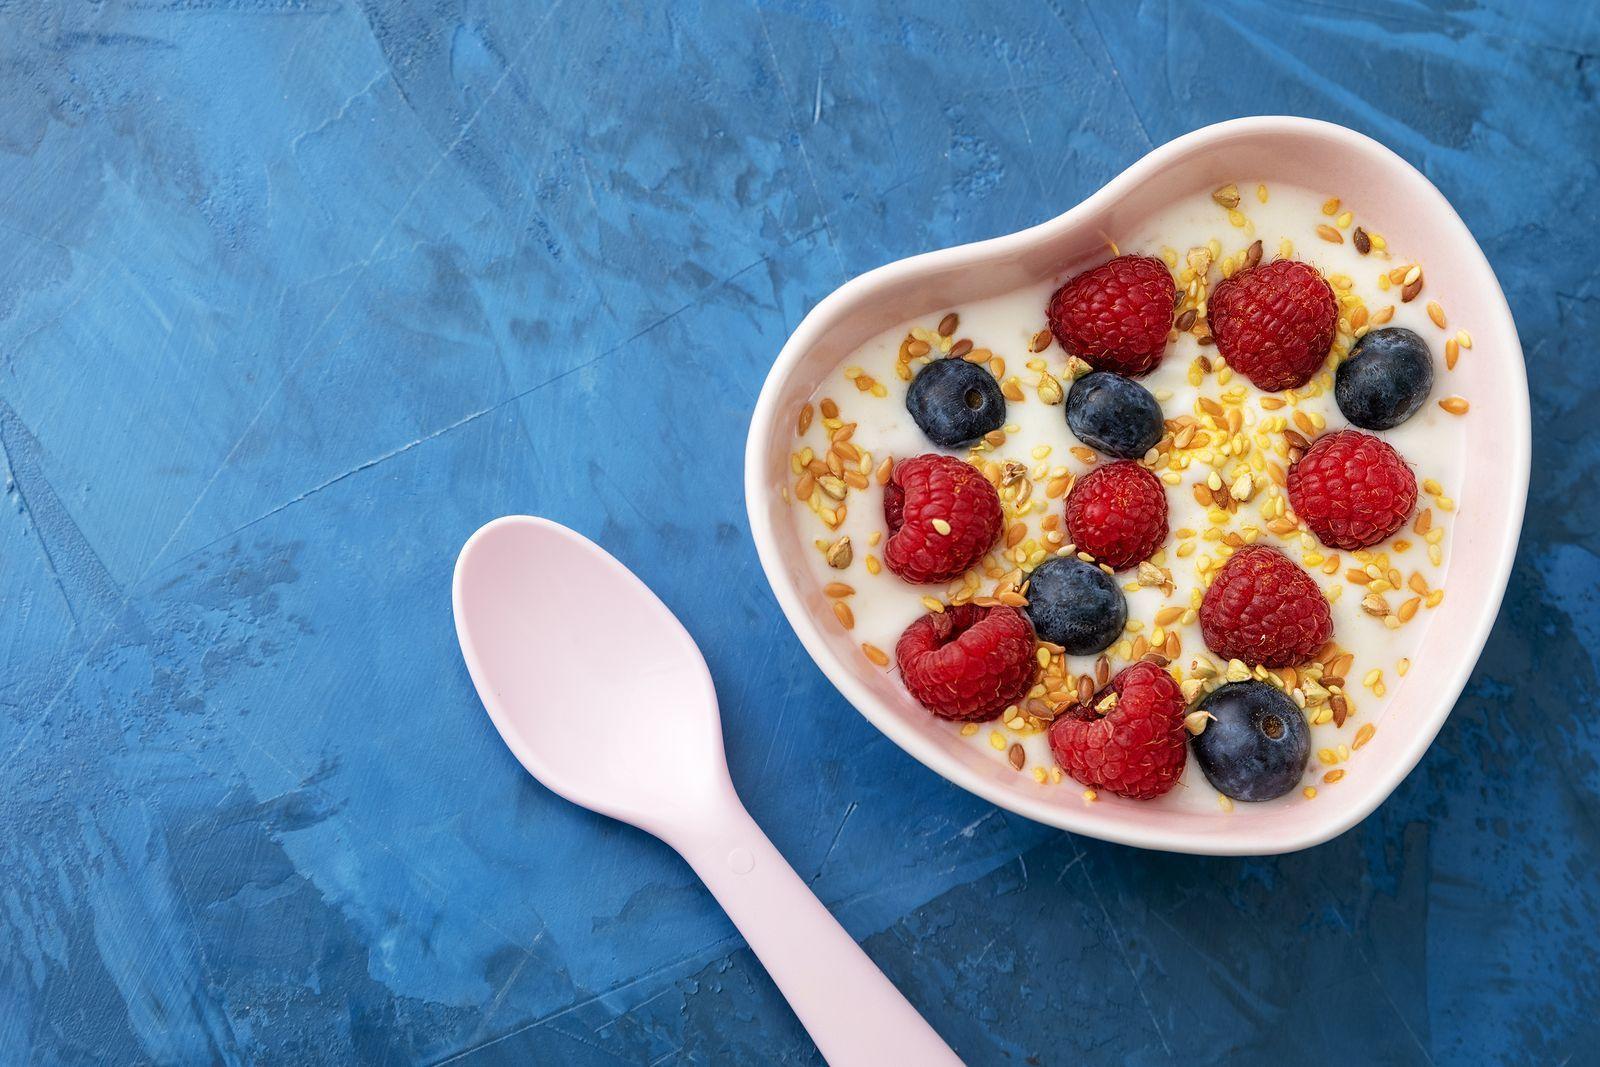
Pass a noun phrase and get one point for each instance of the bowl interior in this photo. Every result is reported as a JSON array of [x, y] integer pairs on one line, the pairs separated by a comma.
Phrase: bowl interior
[[1415, 218]]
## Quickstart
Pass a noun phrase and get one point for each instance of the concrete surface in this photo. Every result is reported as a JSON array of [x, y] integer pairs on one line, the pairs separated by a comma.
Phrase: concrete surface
[[296, 293]]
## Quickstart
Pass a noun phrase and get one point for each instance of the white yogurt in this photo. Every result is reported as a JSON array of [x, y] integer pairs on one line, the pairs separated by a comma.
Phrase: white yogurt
[[883, 605]]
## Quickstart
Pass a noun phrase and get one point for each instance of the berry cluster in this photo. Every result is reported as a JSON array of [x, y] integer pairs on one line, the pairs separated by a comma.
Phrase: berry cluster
[[1274, 323]]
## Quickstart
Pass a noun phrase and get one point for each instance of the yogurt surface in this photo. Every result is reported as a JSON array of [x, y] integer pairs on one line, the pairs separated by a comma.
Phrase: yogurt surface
[[1223, 459]]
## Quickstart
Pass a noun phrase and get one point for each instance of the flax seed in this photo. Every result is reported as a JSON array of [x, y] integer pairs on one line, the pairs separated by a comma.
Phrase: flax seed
[[842, 612], [1329, 234], [948, 324]]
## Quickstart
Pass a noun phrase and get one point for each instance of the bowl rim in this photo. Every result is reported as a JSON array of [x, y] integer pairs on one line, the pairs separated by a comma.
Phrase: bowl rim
[[1080, 819]]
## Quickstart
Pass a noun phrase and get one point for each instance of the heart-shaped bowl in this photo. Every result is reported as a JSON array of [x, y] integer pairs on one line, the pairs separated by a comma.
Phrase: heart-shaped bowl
[[1396, 201]]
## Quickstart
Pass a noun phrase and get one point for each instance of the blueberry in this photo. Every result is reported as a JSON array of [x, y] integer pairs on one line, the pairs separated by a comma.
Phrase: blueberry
[[956, 402], [1114, 415], [1256, 745], [1385, 380], [1076, 605]]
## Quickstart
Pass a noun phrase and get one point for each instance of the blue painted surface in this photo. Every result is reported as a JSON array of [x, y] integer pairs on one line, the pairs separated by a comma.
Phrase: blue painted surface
[[296, 294]]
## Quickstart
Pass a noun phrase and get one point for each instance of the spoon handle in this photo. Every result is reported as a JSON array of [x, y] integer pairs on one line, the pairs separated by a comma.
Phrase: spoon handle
[[853, 1013]]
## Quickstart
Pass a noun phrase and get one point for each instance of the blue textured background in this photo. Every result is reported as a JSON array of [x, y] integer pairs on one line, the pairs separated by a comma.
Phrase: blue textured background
[[294, 294]]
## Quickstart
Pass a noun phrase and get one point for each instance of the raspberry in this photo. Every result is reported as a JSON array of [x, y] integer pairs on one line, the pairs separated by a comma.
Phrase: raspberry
[[1136, 749], [967, 663], [1274, 323], [926, 493], [1118, 514], [1352, 489], [1262, 608], [1116, 316]]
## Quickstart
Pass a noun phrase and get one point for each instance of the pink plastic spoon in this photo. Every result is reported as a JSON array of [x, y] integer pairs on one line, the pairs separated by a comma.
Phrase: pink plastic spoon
[[602, 695]]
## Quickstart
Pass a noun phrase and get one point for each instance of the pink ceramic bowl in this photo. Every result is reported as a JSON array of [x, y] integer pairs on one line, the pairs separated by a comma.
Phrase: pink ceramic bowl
[[1413, 215]]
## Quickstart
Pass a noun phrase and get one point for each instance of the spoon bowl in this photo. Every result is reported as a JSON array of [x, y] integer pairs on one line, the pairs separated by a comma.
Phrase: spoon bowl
[[628, 726]]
